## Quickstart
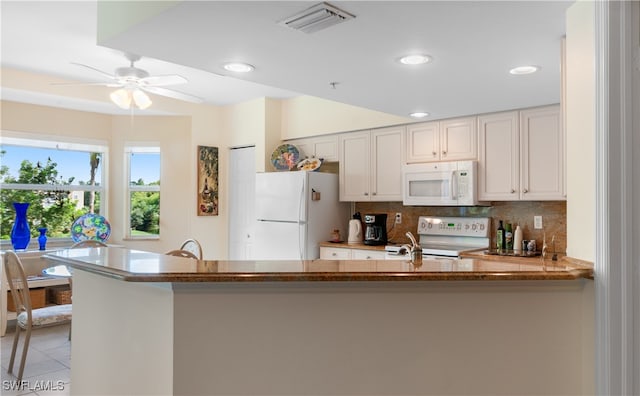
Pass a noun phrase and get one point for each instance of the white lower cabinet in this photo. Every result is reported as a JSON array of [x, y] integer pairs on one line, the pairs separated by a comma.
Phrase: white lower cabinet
[[363, 254], [330, 253], [327, 253], [521, 155]]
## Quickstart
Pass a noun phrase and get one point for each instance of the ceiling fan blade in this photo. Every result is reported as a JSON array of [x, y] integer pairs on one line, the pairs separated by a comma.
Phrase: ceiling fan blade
[[105, 84], [172, 94], [105, 74], [169, 79]]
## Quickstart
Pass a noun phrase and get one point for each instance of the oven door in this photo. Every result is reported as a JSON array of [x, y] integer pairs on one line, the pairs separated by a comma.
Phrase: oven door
[[429, 184]]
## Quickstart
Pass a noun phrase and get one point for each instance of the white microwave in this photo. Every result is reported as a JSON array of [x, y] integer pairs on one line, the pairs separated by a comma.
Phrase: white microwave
[[440, 184]]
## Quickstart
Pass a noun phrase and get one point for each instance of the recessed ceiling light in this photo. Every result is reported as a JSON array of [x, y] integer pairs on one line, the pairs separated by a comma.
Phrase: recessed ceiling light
[[419, 114], [238, 67], [524, 70], [415, 59]]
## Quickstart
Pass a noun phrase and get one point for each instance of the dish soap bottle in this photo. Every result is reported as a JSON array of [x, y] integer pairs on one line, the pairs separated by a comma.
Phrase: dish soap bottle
[[508, 237], [500, 237], [517, 240]]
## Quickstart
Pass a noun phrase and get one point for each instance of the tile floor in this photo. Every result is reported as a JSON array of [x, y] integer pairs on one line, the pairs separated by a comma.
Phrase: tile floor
[[48, 368]]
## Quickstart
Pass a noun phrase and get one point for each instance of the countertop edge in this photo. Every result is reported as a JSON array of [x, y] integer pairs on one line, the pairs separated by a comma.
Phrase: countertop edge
[[178, 277]]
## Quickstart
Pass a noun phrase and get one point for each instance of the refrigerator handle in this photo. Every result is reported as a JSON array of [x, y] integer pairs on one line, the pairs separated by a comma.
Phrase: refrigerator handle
[[300, 223]]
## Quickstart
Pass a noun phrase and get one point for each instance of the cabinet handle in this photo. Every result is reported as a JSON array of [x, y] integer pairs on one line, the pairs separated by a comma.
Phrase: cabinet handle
[[434, 153], [513, 191], [525, 191], [373, 193], [366, 194], [368, 257], [444, 152], [334, 254]]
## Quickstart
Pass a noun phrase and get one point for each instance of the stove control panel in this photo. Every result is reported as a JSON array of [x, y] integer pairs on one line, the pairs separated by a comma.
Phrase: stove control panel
[[455, 226]]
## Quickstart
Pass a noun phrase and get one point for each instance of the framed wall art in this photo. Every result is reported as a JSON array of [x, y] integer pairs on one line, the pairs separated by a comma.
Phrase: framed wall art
[[207, 181]]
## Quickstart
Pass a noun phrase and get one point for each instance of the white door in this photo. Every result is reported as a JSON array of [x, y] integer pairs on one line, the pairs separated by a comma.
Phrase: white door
[[242, 184]]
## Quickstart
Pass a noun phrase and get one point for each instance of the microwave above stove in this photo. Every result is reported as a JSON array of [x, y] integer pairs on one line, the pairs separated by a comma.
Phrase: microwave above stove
[[440, 184]]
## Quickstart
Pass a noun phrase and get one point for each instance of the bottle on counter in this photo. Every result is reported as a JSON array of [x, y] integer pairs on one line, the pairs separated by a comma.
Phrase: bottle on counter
[[517, 240], [500, 237], [508, 237]]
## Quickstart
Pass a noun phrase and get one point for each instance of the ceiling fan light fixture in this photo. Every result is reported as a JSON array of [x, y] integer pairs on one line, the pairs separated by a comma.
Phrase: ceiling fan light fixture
[[415, 59], [238, 67], [141, 99], [121, 98]]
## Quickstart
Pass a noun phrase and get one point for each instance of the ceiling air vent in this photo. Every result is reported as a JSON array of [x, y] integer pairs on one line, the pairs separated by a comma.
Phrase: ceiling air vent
[[315, 18]]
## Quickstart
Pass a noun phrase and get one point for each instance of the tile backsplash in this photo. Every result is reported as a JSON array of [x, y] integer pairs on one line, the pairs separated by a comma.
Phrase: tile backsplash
[[554, 218]]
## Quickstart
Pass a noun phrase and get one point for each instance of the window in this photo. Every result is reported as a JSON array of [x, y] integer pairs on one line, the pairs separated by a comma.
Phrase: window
[[60, 180], [143, 165]]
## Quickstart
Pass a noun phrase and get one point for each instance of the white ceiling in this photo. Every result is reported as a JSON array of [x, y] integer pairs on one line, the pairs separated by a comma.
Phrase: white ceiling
[[473, 45]]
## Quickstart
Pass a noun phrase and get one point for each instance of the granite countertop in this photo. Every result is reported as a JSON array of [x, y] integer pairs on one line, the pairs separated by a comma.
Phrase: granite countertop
[[345, 245], [140, 266]]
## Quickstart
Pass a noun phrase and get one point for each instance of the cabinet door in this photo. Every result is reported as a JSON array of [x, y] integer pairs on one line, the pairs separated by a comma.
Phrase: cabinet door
[[326, 147], [354, 152], [387, 151], [327, 253], [458, 139], [364, 254], [499, 157], [543, 154], [423, 142]]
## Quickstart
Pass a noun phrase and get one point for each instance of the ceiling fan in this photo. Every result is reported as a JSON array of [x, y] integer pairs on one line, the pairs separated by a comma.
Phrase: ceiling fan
[[133, 82]]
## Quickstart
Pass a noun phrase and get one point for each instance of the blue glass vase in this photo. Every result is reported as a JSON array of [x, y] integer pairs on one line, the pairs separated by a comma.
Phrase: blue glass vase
[[42, 239], [20, 233]]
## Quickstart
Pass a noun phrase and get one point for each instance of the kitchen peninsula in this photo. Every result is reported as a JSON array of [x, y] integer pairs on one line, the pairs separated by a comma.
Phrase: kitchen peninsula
[[181, 326]]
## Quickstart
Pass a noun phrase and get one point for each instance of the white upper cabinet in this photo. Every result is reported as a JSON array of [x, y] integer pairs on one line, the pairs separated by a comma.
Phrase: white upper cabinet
[[542, 154], [371, 165], [354, 152], [423, 142], [499, 157], [521, 155], [325, 147], [447, 140]]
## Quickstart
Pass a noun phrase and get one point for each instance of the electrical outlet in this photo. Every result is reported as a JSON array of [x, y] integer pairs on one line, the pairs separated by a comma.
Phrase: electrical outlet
[[398, 218], [537, 222]]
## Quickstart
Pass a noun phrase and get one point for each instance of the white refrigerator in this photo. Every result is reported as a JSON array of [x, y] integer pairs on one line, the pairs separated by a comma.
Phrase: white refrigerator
[[295, 211]]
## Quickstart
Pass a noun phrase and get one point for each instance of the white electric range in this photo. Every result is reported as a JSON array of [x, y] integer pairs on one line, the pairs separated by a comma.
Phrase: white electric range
[[447, 237]]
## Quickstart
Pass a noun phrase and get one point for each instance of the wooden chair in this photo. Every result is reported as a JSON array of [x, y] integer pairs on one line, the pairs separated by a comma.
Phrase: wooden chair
[[28, 318], [192, 246], [182, 253], [88, 243]]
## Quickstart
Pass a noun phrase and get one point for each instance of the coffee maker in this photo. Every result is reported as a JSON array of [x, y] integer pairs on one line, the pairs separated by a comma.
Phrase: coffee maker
[[375, 232]]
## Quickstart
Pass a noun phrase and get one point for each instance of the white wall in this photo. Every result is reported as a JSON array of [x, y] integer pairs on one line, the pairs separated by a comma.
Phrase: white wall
[[306, 116], [580, 124]]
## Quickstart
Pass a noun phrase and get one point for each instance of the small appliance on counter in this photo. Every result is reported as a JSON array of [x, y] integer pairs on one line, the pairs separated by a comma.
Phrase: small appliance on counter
[[375, 232], [355, 229]]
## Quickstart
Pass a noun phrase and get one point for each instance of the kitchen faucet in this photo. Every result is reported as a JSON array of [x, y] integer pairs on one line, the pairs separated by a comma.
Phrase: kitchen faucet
[[414, 250]]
